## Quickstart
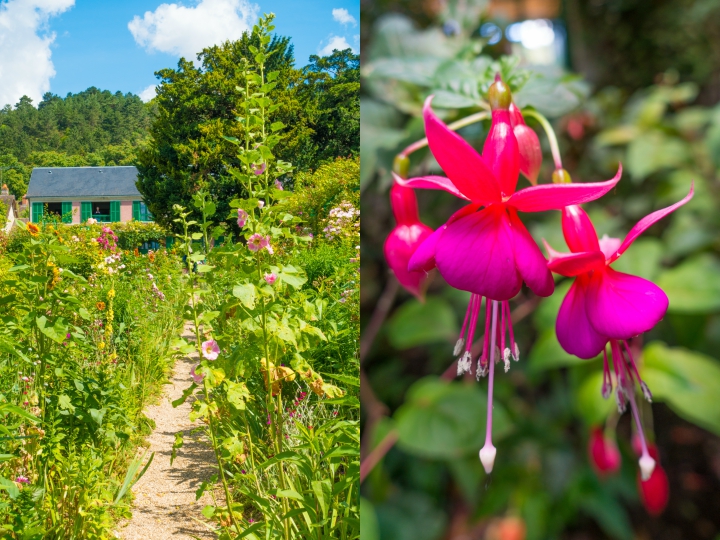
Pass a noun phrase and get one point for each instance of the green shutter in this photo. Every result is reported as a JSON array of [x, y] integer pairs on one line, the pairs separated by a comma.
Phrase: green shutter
[[37, 212], [85, 211], [136, 210], [114, 211], [67, 212]]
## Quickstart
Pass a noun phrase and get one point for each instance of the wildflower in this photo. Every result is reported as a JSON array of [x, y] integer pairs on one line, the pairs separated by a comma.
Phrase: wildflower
[[270, 278], [33, 229], [258, 169], [22, 480], [268, 246], [242, 217], [261, 203], [606, 306], [111, 293], [100, 306], [278, 185], [197, 377], [210, 349], [256, 242], [604, 453], [101, 345], [489, 252], [408, 234], [157, 292]]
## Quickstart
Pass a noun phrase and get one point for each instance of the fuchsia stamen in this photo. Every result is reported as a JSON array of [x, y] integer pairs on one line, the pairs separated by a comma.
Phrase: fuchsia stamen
[[488, 452]]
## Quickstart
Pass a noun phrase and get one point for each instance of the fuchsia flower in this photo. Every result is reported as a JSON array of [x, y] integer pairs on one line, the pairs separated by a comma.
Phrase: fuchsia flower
[[210, 349], [242, 218], [604, 453], [606, 306], [270, 278], [408, 234], [528, 145], [484, 248], [655, 490]]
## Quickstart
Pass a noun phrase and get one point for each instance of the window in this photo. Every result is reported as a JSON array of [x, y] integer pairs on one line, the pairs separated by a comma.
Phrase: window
[[141, 212]]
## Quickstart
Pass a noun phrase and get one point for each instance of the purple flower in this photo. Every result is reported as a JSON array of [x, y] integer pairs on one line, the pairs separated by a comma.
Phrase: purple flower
[[22, 480], [210, 349]]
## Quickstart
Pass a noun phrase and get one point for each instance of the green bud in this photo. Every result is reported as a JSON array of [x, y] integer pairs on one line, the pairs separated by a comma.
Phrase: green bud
[[499, 95], [561, 176], [401, 165]]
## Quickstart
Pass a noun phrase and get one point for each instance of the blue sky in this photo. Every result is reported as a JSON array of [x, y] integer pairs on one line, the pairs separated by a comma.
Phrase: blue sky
[[89, 42]]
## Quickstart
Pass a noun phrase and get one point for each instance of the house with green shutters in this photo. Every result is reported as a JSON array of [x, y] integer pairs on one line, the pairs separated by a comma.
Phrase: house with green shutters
[[106, 194]]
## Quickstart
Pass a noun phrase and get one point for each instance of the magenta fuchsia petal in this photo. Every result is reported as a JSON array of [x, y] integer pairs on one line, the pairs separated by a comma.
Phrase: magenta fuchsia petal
[[399, 247], [574, 331], [501, 152], [609, 245], [530, 152], [423, 258], [558, 196], [642, 225], [578, 230], [404, 205], [430, 182], [621, 306], [529, 259], [475, 253], [463, 165], [574, 264]]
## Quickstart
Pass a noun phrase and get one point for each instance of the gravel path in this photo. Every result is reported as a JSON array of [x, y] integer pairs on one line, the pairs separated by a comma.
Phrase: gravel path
[[165, 505]]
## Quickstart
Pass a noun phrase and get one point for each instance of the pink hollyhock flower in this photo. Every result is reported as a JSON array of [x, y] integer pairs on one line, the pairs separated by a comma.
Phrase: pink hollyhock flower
[[197, 377], [278, 185], [606, 306], [210, 349], [268, 246], [484, 248], [407, 235], [261, 204], [256, 242], [604, 453], [270, 278], [242, 218], [258, 169], [528, 145]]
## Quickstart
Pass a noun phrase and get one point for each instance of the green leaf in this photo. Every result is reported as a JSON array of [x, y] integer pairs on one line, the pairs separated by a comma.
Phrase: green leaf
[[589, 401], [689, 382], [445, 420], [642, 259], [416, 323], [11, 487], [294, 277], [693, 286], [546, 353], [245, 292], [368, 521]]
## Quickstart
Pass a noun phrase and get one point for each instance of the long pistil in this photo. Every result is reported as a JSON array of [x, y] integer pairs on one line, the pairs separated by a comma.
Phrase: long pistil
[[488, 452]]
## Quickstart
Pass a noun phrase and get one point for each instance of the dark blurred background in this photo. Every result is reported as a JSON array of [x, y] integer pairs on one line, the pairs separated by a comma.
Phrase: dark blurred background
[[631, 81]]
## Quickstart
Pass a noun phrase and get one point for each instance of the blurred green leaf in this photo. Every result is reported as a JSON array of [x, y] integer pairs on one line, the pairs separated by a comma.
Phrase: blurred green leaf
[[693, 286], [416, 323], [410, 516], [445, 420], [590, 404], [689, 382], [642, 259], [546, 313], [652, 151], [547, 353], [369, 529]]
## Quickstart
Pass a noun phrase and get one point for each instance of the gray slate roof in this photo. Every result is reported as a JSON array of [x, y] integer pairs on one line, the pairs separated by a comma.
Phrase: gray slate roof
[[83, 182]]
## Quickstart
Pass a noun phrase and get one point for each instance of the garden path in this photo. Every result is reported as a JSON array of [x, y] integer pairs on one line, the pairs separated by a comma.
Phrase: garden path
[[165, 505]]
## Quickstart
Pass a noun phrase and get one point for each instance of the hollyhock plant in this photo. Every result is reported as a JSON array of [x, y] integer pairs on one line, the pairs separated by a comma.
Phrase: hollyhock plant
[[270, 278], [604, 453], [197, 377], [606, 306], [484, 248], [242, 216], [408, 234], [210, 349]]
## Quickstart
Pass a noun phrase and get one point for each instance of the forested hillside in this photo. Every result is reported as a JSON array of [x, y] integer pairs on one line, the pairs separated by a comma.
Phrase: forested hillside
[[183, 138]]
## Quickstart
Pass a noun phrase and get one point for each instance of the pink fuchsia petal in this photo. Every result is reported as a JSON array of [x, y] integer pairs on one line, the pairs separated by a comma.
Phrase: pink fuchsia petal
[[404, 204], [210, 349], [463, 165], [475, 253], [557, 196], [572, 327], [609, 245], [529, 259], [574, 264], [578, 230], [646, 222], [400, 245], [424, 256], [530, 152], [621, 306], [501, 152], [430, 182]]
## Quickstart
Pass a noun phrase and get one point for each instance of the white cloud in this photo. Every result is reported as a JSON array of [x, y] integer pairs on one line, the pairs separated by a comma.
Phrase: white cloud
[[334, 42], [25, 56], [149, 93], [185, 31], [343, 16]]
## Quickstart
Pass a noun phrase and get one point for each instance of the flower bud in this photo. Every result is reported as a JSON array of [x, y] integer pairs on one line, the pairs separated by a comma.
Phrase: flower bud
[[655, 491], [499, 95], [528, 145], [404, 239], [604, 454], [561, 176]]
